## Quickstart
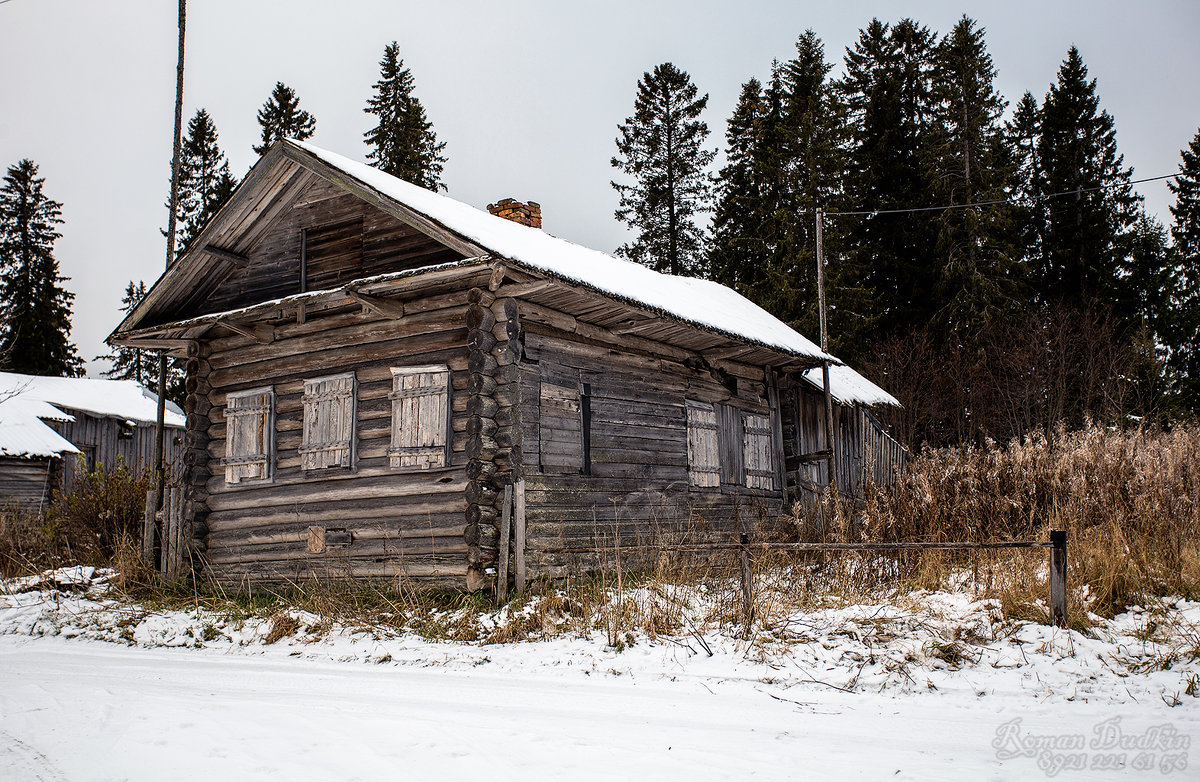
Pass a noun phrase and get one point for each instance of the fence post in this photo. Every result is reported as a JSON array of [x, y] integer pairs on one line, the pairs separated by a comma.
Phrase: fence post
[[1058, 577], [148, 528], [747, 584], [502, 545]]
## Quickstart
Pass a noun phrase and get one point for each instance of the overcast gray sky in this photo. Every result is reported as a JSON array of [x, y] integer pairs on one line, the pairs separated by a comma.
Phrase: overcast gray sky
[[527, 95]]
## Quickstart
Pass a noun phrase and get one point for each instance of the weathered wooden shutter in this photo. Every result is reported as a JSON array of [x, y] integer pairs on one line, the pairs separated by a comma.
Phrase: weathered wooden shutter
[[732, 444], [329, 406], [704, 456], [420, 417], [757, 451], [560, 419], [249, 435]]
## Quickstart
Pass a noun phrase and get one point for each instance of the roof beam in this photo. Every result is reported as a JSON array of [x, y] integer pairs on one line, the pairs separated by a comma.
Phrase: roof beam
[[259, 332], [383, 307], [237, 259]]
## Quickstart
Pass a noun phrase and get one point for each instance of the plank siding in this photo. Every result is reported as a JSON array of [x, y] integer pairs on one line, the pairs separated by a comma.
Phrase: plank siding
[[403, 523], [638, 491], [28, 484], [109, 442]]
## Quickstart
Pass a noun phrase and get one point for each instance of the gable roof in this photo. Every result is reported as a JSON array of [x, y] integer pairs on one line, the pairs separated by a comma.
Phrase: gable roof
[[26, 401], [476, 233]]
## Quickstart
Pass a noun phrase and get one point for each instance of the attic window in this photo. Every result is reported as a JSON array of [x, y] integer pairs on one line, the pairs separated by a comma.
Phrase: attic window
[[249, 436], [329, 433], [330, 254], [420, 417]]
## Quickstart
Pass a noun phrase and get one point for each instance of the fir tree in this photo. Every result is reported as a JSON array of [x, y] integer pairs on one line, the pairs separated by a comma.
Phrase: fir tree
[[281, 117], [35, 308], [402, 142], [205, 183], [1087, 232], [662, 148], [131, 363], [1029, 212], [971, 163], [1182, 326], [735, 252]]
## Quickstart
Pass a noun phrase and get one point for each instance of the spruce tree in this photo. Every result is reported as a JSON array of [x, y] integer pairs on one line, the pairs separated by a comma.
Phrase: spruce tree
[[281, 117], [35, 308], [1182, 326], [1086, 232], [971, 163], [205, 183], [131, 363], [662, 148], [403, 142], [736, 253], [1028, 213], [888, 89]]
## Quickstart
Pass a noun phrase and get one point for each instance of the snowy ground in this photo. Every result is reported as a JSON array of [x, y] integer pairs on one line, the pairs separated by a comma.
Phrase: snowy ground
[[90, 689]]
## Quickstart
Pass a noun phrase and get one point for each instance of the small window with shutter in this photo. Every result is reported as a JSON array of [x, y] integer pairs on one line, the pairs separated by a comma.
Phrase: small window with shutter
[[329, 431], [561, 432], [249, 436], [420, 417], [704, 460], [757, 453]]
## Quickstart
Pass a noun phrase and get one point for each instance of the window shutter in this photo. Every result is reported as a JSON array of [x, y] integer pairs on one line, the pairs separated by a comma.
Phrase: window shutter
[[328, 438], [760, 473], [704, 460], [732, 444], [560, 424], [249, 430], [420, 417]]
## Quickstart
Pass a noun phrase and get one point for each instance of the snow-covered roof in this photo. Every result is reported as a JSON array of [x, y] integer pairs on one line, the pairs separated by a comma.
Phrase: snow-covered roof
[[22, 431], [847, 387], [27, 401], [701, 302]]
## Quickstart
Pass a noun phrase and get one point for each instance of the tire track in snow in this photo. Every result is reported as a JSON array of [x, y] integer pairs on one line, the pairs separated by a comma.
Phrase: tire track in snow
[[24, 762]]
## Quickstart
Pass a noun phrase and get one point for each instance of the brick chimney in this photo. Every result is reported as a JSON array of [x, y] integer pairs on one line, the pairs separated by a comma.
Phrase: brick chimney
[[529, 214]]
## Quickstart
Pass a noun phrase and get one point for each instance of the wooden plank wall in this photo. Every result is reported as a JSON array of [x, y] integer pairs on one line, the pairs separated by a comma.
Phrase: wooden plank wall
[[350, 240], [637, 490], [27, 484], [101, 438], [401, 523]]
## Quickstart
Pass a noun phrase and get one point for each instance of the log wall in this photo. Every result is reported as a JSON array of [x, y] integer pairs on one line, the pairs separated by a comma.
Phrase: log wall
[[397, 523]]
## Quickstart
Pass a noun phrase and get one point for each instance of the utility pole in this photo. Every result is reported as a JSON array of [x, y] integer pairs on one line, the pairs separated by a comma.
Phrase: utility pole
[[151, 536], [830, 440]]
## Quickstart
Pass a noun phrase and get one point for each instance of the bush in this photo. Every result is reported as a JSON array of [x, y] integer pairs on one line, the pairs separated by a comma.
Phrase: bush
[[102, 509]]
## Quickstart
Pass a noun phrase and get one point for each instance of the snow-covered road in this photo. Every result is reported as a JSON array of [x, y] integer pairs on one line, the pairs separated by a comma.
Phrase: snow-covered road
[[84, 710]]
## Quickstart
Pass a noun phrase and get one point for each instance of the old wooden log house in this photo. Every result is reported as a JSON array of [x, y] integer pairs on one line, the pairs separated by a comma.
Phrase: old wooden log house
[[383, 382]]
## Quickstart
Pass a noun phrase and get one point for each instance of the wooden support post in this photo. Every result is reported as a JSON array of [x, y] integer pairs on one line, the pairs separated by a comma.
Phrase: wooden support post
[[1058, 577], [148, 527], [519, 533], [747, 584], [502, 546]]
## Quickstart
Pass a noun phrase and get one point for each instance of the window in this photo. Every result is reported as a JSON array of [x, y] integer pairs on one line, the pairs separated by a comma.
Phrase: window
[[328, 439], [729, 446], [757, 451], [562, 436], [249, 440], [704, 462], [420, 417]]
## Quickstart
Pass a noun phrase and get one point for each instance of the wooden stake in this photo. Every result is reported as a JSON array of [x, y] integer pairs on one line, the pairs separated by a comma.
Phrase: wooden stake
[[747, 584], [519, 533], [502, 545], [1058, 577]]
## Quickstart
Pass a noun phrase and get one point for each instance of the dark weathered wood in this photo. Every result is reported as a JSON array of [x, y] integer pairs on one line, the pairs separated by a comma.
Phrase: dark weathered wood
[[384, 307], [502, 543], [519, 534], [237, 259], [747, 584], [1058, 577]]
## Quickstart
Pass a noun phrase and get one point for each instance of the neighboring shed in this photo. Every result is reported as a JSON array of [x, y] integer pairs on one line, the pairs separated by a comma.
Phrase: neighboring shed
[[52, 427], [373, 368]]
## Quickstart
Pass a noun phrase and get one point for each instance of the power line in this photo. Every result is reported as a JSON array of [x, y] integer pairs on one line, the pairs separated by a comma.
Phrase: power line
[[995, 203]]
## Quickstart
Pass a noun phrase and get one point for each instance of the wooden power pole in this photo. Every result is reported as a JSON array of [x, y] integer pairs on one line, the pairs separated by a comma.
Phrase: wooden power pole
[[830, 440]]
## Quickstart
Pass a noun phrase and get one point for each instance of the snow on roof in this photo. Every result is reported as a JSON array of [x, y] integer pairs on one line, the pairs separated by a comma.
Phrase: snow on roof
[[847, 387], [702, 302], [126, 400], [22, 431]]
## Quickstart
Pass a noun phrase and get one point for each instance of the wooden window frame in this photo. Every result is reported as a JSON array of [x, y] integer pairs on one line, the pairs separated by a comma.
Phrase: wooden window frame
[[349, 442], [759, 449], [437, 456], [583, 402], [267, 456]]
